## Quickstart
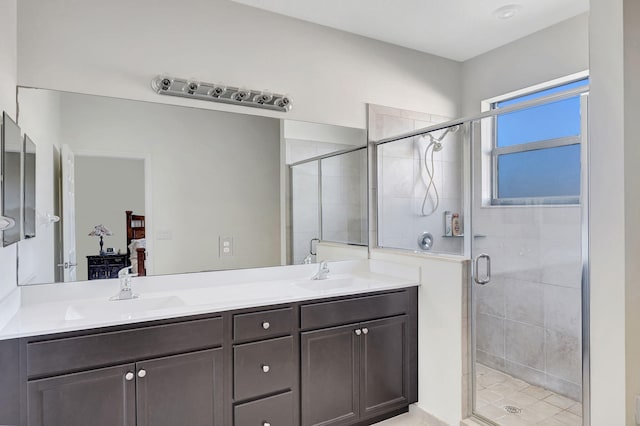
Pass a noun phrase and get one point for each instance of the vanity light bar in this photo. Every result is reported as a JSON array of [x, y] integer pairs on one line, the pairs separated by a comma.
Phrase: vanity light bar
[[165, 85]]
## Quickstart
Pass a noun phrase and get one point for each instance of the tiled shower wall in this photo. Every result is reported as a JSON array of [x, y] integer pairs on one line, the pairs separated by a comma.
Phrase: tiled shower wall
[[344, 198], [403, 180]]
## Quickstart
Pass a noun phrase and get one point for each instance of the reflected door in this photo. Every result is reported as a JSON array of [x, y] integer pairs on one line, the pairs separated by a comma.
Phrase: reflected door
[[526, 286], [68, 215]]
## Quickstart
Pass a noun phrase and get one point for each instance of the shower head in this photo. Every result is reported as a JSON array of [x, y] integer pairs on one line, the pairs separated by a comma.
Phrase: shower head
[[437, 141]]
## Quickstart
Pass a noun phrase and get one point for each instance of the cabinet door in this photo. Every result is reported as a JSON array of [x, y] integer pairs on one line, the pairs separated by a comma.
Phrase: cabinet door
[[384, 382], [330, 376], [101, 397], [180, 390]]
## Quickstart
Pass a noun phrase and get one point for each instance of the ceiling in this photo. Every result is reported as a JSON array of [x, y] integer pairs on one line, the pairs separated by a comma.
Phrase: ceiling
[[454, 29]]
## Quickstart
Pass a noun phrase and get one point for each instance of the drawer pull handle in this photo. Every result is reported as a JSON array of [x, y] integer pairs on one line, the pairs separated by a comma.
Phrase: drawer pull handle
[[265, 368], [129, 376], [266, 326], [365, 330], [358, 332], [142, 373]]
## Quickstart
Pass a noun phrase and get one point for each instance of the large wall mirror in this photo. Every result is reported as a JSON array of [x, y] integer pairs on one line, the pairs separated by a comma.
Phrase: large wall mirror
[[177, 189]]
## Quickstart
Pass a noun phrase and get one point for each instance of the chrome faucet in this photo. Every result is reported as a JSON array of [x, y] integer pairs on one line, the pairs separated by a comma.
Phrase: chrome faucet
[[126, 292], [323, 271]]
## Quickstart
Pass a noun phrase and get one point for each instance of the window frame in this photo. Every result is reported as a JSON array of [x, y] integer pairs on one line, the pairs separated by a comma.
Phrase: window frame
[[532, 146]]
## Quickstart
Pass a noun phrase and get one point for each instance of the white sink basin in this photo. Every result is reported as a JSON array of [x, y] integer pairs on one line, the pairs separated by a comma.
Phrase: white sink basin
[[121, 308]]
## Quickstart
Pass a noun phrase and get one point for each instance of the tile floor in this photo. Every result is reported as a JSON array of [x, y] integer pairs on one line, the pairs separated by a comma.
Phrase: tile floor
[[538, 406]]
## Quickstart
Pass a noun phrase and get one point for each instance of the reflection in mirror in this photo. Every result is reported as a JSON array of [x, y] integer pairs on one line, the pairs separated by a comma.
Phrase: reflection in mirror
[[11, 172], [29, 183], [328, 184], [203, 187]]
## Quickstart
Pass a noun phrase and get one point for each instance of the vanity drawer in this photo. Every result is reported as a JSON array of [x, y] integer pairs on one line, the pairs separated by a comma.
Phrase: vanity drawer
[[261, 325], [263, 367], [327, 314], [65, 355], [274, 410]]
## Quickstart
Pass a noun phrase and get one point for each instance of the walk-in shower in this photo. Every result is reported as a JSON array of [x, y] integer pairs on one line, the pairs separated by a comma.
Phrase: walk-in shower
[[517, 178]]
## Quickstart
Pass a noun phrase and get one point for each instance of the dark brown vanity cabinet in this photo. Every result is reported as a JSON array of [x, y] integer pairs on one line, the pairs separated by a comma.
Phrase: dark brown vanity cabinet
[[183, 387], [163, 391], [365, 366], [348, 360], [98, 397], [128, 377], [265, 368]]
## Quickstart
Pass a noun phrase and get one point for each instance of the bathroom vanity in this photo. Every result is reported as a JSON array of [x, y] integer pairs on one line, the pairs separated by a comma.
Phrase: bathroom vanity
[[340, 351]]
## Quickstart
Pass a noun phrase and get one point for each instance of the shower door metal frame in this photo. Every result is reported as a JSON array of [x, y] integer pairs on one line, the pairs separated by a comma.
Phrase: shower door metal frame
[[584, 215]]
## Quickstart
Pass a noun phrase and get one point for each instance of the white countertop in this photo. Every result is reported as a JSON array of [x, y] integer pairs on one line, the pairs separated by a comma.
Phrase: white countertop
[[54, 308]]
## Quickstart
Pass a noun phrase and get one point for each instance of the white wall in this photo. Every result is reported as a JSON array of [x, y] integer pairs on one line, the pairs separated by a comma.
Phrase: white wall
[[609, 404], [98, 47], [554, 52], [40, 119], [8, 81], [106, 187], [211, 173], [632, 199]]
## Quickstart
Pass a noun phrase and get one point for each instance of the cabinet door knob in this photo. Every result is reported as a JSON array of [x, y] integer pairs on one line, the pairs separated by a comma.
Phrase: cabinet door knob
[[266, 326], [358, 332], [142, 373], [365, 330], [265, 368], [129, 376]]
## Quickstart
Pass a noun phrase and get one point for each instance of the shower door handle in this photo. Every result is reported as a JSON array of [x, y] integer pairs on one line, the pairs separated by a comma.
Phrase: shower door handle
[[476, 272]]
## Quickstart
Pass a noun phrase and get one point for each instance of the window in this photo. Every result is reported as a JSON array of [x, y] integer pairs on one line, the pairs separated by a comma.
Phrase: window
[[536, 150]]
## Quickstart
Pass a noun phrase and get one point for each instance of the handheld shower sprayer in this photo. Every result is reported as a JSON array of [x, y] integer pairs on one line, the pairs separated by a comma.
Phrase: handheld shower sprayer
[[435, 145]]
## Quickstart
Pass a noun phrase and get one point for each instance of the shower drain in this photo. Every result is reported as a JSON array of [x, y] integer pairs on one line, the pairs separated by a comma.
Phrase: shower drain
[[512, 409]]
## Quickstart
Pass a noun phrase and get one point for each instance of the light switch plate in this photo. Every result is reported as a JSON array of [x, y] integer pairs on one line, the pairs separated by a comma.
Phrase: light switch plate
[[226, 246]]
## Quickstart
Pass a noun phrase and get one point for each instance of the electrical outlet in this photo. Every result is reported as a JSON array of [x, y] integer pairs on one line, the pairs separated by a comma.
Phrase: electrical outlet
[[226, 246]]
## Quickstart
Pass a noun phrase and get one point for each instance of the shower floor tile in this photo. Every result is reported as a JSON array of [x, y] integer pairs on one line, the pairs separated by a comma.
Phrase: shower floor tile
[[508, 401]]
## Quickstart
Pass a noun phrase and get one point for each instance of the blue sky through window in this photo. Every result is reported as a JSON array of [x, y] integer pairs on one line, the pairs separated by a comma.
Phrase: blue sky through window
[[550, 172]]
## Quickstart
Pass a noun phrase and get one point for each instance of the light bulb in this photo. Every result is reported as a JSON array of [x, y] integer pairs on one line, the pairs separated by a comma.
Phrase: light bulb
[[191, 88]]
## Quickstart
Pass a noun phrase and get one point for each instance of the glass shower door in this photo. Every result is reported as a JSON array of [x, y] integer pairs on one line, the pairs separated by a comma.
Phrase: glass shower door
[[526, 246]]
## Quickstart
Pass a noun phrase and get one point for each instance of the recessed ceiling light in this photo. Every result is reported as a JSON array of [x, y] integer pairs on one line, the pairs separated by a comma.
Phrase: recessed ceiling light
[[507, 12]]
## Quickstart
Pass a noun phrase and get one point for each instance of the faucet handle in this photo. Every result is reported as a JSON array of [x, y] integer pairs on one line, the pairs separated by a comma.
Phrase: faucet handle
[[124, 273]]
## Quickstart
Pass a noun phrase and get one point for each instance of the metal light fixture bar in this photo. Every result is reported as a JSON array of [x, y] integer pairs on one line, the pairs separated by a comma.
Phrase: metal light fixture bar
[[165, 85]]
